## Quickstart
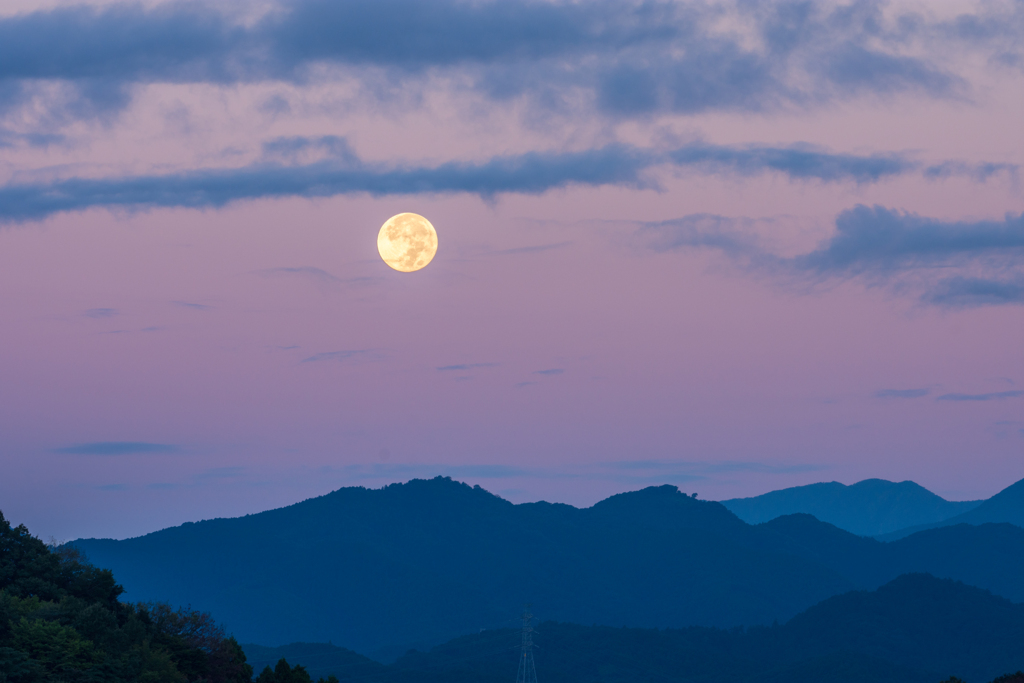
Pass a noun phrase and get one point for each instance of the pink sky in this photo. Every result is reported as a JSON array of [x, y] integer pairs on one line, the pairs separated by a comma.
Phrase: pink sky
[[261, 353]]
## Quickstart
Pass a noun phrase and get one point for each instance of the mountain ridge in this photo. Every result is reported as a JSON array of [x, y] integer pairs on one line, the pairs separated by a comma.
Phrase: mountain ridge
[[417, 563], [871, 507], [1005, 506]]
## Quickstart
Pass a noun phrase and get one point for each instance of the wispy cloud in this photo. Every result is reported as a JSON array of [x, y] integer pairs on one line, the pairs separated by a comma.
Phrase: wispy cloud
[[101, 313], [466, 366], [910, 253], [320, 278], [118, 448], [549, 371], [703, 467], [193, 306], [317, 274], [993, 396], [533, 249], [531, 173], [902, 393], [336, 356]]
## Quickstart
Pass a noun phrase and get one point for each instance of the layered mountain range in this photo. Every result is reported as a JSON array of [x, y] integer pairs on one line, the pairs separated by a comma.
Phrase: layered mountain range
[[415, 564], [883, 509], [914, 629]]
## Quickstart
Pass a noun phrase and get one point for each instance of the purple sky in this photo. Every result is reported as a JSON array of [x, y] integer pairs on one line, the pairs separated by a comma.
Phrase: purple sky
[[729, 246]]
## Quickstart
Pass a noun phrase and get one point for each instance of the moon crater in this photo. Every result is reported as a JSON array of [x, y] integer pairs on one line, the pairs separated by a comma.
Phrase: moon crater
[[407, 242]]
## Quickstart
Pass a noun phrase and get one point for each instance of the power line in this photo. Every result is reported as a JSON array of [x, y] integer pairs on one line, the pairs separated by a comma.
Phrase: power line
[[527, 670]]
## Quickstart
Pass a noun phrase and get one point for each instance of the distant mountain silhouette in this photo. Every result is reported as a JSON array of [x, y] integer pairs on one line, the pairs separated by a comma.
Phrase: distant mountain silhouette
[[867, 508], [915, 629], [1005, 506], [412, 565]]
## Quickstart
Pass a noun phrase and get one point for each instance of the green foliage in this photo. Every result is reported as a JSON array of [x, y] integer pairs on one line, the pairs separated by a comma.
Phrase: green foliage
[[61, 620], [283, 673], [1011, 678]]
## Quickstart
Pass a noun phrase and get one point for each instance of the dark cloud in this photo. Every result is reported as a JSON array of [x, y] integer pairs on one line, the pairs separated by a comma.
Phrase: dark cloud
[[881, 239], [627, 58], [799, 162], [994, 396], [969, 292], [855, 67], [902, 393], [118, 448], [343, 173]]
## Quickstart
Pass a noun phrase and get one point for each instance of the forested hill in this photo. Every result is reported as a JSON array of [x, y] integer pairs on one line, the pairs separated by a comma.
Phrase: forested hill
[[61, 620], [413, 565], [915, 629]]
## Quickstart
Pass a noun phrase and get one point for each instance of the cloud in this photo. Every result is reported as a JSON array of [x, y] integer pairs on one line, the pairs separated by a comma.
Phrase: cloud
[[193, 306], [336, 356], [307, 271], [880, 239], [530, 173], [696, 231], [799, 162], [968, 292], [979, 172], [902, 393], [113, 487], [906, 252], [118, 448], [533, 249], [101, 312], [994, 396], [549, 372], [707, 467], [604, 58], [466, 366]]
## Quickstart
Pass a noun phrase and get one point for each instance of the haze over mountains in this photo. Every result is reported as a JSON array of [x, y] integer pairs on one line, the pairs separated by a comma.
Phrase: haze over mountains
[[413, 565], [915, 629]]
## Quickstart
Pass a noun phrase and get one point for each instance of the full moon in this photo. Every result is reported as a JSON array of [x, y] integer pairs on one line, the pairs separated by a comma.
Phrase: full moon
[[407, 242]]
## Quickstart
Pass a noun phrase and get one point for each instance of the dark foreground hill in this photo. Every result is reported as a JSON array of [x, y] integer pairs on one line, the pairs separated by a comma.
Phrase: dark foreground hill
[[916, 629], [1005, 506], [867, 508], [61, 620], [412, 565]]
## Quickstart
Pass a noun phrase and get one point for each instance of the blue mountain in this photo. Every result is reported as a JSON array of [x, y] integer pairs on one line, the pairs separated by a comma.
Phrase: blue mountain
[[868, 508], [412, 565], [1005, 506]]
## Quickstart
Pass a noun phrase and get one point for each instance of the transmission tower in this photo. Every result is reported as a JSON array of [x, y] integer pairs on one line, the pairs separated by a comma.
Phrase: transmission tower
[[527, 671]]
